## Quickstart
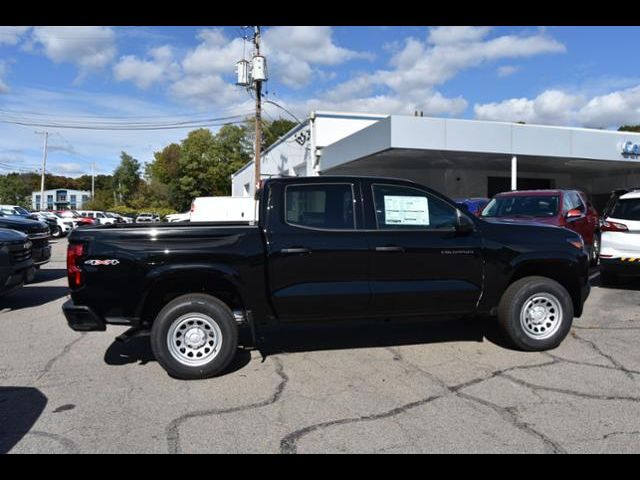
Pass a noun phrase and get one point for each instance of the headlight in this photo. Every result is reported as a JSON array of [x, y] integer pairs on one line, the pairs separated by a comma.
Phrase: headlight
[[4, 248], [577, 243]]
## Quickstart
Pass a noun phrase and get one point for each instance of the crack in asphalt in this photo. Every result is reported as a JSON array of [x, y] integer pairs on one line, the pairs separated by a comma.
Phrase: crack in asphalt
[[173, 428], [289, 443], [598, 350], [49, 365], [67, 443]]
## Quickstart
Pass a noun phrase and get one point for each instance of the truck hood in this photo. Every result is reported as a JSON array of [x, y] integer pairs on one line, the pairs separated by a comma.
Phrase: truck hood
[[7, 235], [23, 225]]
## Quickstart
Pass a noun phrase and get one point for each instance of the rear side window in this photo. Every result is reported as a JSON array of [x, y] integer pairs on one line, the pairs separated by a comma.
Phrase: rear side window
[[328, 206], [406, 208], [626, 209]]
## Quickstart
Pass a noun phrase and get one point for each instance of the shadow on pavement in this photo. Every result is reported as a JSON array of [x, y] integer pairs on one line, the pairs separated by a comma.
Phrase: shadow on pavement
[[27, 297], [138, 350], [48, 275], [360, 334], [20, 408]]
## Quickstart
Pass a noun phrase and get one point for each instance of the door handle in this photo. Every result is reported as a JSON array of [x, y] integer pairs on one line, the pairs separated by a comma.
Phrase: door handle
[[295, 250], [389, 249]]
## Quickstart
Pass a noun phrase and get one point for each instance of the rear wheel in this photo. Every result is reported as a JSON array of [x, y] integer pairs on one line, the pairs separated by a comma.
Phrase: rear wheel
[[57, 232], [194, 336], [536, 313]]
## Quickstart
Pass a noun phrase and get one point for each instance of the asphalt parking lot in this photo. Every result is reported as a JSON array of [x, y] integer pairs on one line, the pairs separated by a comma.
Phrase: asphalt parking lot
[[377, 387]]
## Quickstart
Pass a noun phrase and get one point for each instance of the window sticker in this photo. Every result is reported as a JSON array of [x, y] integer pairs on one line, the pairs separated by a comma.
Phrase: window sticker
[[406, 210]]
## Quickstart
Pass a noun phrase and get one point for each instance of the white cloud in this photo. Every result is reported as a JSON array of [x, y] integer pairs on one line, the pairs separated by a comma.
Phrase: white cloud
[[88, 48], [160, 67], [4, 68], [11, 35], [507, 70], [420, 66], [555, 107]]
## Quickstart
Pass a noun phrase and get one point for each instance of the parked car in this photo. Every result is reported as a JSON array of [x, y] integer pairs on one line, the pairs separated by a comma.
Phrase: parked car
[[79, 219], [323, 248], [223, 209], [116, 216], [52, 224], [16, 210], [61, 226], [620, 226], [37, 232], [563, 208], [147, 218], [472, 205], [100, 217], [179, 217], [16, 265]]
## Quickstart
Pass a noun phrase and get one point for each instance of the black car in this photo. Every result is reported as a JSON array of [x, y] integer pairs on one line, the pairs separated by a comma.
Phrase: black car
[[16, 265], [37, 232], [323, 248]]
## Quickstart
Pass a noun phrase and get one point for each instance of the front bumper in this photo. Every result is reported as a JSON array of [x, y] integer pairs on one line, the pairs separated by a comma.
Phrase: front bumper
[[625, 266], [12, 279], [41, 254], [83, 319]]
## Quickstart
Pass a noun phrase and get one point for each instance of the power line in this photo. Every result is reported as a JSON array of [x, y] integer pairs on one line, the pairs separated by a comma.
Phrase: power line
[[126, 127]]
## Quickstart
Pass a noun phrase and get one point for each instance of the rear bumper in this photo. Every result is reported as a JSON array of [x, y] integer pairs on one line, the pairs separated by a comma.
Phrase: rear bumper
[[83, 319], [621, 266]]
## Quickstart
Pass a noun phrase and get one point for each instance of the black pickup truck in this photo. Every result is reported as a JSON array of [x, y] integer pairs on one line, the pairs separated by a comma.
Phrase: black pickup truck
[[323, 248], [16, 265]]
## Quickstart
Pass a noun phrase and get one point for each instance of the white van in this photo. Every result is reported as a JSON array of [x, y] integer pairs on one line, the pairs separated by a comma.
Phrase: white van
[[223, 209]]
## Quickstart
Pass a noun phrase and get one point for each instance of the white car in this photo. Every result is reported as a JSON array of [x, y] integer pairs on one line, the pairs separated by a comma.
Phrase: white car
[[620, 238], [178, 217], [101, 217], [65, 225], [147, 218]]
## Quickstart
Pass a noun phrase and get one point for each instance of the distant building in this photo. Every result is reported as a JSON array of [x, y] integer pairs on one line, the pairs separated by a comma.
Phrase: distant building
[[60, 199]]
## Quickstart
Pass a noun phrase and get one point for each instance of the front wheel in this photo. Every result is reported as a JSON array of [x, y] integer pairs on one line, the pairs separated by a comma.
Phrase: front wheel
[[536, 313], [595, 249], [194, 336], [57, 232]]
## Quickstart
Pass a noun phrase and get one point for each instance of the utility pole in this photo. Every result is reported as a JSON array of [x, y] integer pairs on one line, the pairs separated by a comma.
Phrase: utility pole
[[93, 179], [44, 166], [258, 82]]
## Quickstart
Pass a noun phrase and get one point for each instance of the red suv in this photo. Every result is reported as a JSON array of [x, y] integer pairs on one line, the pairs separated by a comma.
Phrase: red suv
[[563, 208]]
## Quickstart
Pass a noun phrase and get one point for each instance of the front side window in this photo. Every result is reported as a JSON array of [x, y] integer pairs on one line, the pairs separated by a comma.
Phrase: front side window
[[410, 209], [328, 207]]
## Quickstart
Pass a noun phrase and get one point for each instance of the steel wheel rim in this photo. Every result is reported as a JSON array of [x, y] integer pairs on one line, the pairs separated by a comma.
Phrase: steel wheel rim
[[541, 316], [596, 249], [194, 339]]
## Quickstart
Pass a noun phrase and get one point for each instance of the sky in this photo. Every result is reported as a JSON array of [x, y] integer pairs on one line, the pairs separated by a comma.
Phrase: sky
[[130, 77]]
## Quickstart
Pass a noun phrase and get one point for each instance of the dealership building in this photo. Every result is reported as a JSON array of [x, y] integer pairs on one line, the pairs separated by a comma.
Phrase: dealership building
[[460, 158], [60, 199]]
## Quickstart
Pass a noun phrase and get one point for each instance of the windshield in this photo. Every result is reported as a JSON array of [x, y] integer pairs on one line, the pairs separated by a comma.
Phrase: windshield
[[521, 206], [627, 209], [21, 211]]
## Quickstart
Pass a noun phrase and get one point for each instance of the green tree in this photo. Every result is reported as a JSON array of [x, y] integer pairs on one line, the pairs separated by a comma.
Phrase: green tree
[[629, 128], [14, 190], [126, 178]]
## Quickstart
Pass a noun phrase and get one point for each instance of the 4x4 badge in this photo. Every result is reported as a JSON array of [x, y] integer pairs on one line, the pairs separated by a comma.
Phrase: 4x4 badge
[[101, 262]]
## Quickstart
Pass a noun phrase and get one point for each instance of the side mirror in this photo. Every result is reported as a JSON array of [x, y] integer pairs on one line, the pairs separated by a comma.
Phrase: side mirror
[[464, 225], [575, 213]]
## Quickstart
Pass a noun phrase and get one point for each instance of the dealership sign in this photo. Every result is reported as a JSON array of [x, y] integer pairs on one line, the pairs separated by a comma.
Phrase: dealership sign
[[630, 148]]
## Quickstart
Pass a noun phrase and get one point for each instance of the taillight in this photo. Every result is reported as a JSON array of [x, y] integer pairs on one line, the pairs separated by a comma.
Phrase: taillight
[[608, 226], [74, 273]]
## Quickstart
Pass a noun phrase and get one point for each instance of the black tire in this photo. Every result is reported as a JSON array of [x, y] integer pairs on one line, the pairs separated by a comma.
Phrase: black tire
[[513, 302], [202, 304], [57, 232]]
